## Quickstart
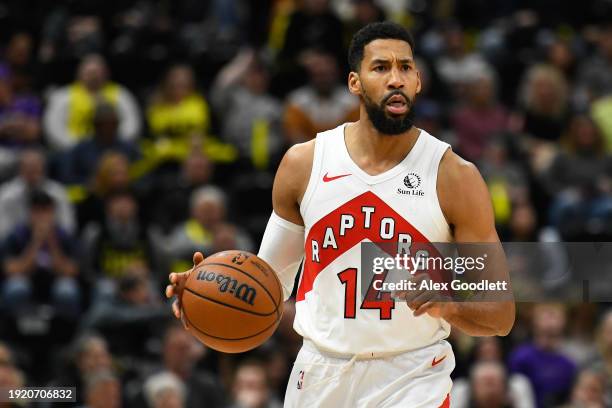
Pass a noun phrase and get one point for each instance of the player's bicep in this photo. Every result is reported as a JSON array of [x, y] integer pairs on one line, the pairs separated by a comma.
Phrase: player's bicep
[[466, 202], [290, 182]]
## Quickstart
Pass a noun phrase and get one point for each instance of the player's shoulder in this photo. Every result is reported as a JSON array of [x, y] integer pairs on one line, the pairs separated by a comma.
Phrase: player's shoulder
[[300, 154], [455, 170], [299, 158], [460, 186], [294, 170]]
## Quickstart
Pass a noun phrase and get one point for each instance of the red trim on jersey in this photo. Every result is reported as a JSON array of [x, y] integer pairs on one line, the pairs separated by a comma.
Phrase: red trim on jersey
[[446, 403], [353, 236]]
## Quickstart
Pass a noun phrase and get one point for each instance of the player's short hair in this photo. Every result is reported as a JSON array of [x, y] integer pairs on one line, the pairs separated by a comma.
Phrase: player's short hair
[[371, 32]]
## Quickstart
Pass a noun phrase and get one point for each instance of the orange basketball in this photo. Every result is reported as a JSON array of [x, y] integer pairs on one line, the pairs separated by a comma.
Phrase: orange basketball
[[232, 301]]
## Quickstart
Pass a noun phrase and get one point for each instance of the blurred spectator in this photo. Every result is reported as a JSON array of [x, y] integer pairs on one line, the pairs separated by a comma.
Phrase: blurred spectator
[[488, 360], [505, 178], [228, 236], [208, 212], [478, 119], [117, 243], [11, 378], [595, 73], [18, 62], [313, 25], [523, 223], [181, 353], [543, 97], [40, 264], [68, 118], [79, 162], [103, 390], [6, 355], [165, 390], [178, 113], [322, 104], [71, 32], [112, 175], [32, 176], [456, 66], [488, 388], [560, 55], [364, 12], [580, 179], [588, 392], [550, 372], [580, 341], [603, 363], [127, 317], [251, 117], [250, 387], [169, 194], [20, 113], [595, 83], [88, 356]]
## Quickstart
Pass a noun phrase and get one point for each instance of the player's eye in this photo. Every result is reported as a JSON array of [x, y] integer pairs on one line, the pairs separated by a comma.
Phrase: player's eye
[[380, 68], [405, 67]]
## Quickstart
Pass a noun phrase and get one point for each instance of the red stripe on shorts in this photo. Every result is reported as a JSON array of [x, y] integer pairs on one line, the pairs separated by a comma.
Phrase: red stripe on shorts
[[446, 403]]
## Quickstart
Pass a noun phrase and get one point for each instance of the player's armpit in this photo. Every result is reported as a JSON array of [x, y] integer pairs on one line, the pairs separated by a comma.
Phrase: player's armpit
[[282, 247]]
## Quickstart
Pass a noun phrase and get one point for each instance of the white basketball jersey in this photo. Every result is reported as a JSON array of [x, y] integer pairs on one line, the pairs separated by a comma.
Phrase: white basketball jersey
[[344, 206]]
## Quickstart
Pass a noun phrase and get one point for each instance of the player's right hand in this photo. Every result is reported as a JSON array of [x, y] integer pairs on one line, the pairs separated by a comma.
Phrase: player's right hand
[[177, 284]]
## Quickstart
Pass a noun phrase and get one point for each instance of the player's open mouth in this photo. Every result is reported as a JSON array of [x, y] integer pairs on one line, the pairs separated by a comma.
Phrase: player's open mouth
[[397, 105]]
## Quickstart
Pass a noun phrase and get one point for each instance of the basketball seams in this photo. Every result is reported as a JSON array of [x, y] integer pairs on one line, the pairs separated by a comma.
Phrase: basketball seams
[[228, 305], [227, 338], [278, 284]]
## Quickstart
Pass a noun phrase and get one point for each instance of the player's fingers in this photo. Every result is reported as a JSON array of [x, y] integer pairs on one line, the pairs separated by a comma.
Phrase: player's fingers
[[421, 299], [424, 308], [176, 310], [197, 258], [169, 291], [184, 321], [173, 278], [178, 278]]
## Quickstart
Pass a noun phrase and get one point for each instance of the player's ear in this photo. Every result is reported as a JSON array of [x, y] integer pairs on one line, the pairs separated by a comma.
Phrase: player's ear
[[418, 84], [354, 83]]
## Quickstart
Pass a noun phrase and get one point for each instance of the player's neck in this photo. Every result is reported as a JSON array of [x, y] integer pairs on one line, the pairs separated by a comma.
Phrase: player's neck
[[374, 151]]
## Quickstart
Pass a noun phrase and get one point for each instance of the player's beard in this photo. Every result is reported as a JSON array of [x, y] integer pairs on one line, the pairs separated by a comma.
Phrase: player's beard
[[384, 123]]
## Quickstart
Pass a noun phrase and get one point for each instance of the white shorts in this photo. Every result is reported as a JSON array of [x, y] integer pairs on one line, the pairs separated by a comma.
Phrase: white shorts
[[415, 379]]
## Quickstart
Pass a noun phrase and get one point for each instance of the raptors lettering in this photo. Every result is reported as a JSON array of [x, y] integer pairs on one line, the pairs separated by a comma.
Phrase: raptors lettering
[[385, 228]]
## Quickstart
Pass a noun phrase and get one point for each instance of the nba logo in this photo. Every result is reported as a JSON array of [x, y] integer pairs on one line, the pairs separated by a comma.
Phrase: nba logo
[[300, 381]]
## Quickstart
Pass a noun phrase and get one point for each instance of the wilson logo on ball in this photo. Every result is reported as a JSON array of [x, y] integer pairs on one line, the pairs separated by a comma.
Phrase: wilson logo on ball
[[225, 284]]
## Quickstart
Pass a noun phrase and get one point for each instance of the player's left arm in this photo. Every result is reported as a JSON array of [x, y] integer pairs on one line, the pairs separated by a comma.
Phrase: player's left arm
[[466, 204]]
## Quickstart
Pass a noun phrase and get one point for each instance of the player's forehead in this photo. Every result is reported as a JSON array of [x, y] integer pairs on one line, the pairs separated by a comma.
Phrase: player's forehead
[[387, 49]]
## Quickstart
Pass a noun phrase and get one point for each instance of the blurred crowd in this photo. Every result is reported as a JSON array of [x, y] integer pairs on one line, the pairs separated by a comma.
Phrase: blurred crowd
[[133, 133]]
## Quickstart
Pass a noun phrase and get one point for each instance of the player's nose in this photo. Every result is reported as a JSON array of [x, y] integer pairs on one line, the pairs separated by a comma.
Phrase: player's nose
[[395, 79]]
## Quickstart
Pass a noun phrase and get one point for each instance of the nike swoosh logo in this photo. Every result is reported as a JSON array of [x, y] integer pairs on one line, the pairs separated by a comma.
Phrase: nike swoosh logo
[[327, 179], [435, 362]]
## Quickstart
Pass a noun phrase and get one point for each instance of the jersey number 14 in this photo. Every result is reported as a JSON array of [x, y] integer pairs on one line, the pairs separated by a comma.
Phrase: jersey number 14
[[374, 299]]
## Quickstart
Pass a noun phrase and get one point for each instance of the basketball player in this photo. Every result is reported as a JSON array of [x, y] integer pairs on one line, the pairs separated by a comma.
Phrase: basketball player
[[345, 187]]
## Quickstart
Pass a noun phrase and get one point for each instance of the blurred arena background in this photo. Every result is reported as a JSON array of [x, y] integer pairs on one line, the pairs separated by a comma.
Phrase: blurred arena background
[[135, 132]]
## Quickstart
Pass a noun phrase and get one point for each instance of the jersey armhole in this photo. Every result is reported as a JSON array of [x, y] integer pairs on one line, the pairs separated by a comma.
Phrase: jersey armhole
[[314, 175], [438, 215]]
